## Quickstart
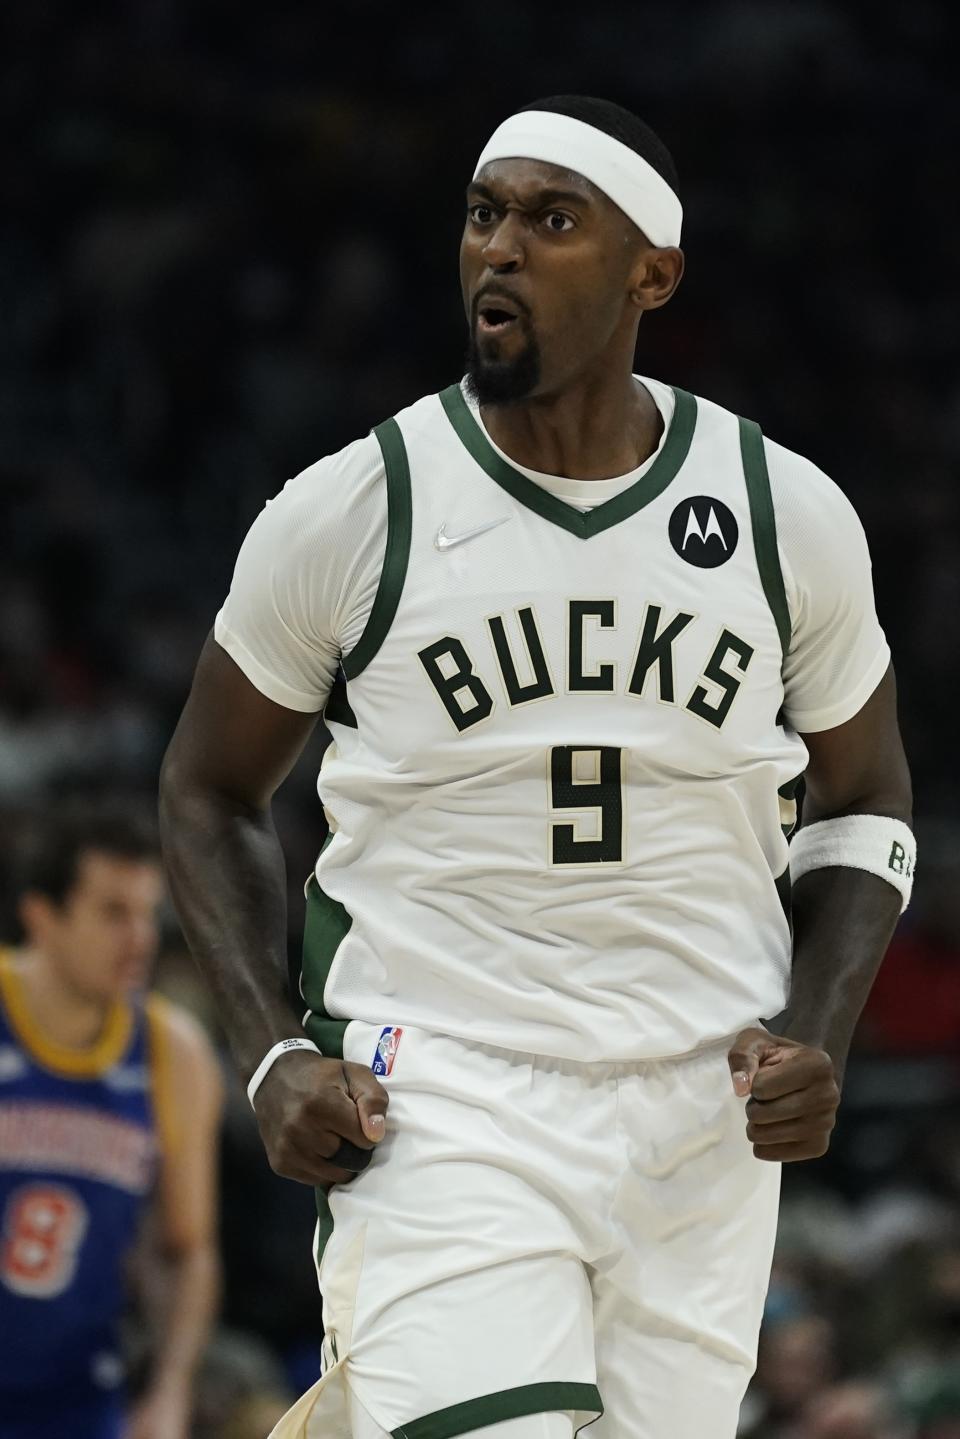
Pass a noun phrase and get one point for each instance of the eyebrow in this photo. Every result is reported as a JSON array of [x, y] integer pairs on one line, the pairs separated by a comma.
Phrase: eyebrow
[[549, 196]]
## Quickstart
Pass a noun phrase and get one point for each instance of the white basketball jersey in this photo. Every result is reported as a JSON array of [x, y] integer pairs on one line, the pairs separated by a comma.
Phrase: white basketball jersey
[[560, 776]]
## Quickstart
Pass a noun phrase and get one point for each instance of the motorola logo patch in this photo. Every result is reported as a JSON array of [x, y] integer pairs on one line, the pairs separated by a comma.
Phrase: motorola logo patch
[[703, 532]]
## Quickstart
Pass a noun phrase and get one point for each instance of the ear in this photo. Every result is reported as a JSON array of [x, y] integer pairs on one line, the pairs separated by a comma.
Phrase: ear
[[36, 913], [656, 276]]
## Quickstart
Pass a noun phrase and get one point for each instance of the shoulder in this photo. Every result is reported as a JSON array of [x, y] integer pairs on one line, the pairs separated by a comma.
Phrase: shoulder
[[822, 544], [823, 551], [327, 490], [803, 492], [342, 495], [429, 424], [302, 545], [183, 1036], [809, 507], [427, 413], [341, 478], [186, 1080]]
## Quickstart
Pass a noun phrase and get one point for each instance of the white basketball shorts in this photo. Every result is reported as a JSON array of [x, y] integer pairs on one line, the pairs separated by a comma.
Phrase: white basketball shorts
[[536, 1235]]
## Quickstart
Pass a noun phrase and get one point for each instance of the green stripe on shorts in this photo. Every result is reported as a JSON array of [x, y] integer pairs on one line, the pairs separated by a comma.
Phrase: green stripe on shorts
[[549, 1398]]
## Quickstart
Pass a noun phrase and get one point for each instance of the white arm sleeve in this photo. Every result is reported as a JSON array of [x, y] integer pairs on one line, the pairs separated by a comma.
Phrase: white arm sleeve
[[838, 653], [306, 577]]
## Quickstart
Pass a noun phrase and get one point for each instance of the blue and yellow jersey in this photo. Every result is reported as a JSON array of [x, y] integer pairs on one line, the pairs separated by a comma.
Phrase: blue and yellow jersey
[[81, 1138]]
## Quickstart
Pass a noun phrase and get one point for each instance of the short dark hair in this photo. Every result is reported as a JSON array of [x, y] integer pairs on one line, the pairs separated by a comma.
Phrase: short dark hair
[[622, 124], [65, 833]]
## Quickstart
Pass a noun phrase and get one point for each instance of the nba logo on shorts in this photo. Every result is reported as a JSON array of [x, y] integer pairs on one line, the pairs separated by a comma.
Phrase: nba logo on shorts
[[387, 1046]]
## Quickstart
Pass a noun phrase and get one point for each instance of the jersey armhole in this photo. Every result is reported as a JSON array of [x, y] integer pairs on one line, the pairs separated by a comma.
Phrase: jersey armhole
[[161, 1075], [396, 554], [764, 526]]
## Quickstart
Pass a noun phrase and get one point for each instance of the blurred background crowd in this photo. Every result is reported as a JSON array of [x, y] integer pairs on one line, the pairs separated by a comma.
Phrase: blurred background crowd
[[228, 246]]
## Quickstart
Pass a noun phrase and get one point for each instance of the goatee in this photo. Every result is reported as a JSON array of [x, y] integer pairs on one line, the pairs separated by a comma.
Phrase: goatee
[[495, 381]]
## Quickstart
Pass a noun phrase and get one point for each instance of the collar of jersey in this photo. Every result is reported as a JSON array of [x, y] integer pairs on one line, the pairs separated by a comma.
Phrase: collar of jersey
[[527, 492], [70, 1063]]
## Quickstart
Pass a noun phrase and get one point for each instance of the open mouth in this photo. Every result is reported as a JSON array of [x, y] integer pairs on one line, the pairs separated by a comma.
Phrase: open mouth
[[494, 321]]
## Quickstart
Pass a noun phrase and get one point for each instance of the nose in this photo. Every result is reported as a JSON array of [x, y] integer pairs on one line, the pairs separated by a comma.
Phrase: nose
[[141, 938], [504, 251]]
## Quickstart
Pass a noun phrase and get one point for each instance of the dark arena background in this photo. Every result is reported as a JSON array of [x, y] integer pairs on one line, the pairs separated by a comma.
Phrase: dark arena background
[[228, 244]]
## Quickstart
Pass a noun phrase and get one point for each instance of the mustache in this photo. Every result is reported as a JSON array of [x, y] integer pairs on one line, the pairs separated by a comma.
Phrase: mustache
[[492, 293]]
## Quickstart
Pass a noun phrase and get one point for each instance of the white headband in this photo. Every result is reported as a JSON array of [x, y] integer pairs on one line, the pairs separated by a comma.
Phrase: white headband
[[626, 177]]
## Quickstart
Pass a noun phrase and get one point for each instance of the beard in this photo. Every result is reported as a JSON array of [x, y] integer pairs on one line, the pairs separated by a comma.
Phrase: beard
[[493, 380]]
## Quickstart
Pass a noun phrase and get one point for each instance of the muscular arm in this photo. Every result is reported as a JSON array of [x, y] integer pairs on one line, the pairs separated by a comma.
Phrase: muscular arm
[[843, 918], [232, 749]]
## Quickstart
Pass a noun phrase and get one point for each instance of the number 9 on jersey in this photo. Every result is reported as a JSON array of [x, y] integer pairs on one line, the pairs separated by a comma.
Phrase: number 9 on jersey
[[586, 785]]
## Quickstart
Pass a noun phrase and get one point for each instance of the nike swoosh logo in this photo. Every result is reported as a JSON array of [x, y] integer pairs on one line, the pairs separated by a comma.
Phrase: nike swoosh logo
[[444, 541]]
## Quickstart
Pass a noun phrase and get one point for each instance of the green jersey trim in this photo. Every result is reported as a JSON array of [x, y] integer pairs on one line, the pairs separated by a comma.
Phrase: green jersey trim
[[552, 1397], [326, 925], [399, 524], [324, 1224], [525, 491], [764, 524], [337, 709]]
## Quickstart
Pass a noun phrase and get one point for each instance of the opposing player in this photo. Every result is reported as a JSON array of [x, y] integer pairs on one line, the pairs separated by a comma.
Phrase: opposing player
[[104, 1098], [593, 631]]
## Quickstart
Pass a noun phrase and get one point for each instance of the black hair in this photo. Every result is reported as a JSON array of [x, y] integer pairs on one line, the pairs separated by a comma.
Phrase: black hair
[[69, 831], [622, 124]]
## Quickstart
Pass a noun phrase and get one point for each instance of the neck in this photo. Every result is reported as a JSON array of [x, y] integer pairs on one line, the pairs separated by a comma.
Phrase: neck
[[594, 430], [66, 1017]]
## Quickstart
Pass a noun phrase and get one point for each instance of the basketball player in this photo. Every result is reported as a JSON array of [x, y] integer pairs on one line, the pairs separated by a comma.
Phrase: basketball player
[[593, 631], [104, 1097]]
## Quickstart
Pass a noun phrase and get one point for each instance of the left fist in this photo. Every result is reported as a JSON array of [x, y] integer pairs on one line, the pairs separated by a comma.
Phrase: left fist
[[793, 1095]]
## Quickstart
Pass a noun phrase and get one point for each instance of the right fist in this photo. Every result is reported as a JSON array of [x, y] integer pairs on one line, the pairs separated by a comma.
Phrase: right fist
[[308, 1107]]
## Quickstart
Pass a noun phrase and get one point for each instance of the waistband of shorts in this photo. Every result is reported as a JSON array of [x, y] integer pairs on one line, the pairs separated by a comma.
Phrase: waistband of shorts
[[707, 1053]]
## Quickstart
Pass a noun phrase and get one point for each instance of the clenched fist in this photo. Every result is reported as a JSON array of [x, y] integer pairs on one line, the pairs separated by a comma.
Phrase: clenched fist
[[320, 1118], [793, 1095]]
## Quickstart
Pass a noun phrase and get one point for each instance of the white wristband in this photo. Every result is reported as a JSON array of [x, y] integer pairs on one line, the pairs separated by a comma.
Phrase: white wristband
[[874, 842], [270, 1059]]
